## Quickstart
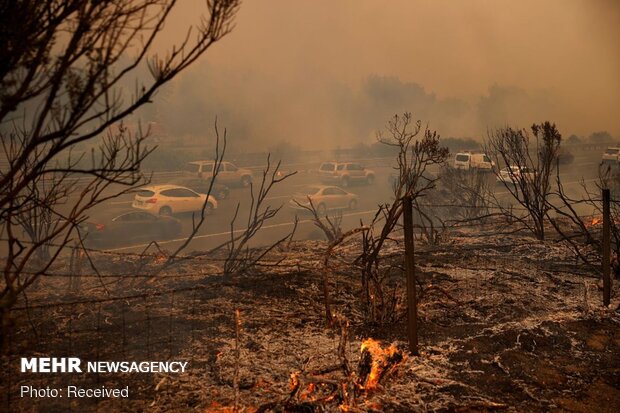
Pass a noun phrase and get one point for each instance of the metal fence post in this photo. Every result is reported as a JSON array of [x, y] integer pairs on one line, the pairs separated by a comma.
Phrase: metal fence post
[[606, 249], [412, 304]]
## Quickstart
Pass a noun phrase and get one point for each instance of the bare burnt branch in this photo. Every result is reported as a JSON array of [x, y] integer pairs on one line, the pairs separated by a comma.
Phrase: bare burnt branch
[[241, 256], [529, 161], [196, 225], [582, 233], [332, 229], [63, 67], [415, 155]]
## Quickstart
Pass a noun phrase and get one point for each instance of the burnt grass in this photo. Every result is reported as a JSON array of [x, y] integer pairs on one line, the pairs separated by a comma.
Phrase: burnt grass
[[509, 323]]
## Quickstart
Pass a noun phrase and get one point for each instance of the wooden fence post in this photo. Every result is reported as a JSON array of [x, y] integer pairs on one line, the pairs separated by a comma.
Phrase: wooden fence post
[[412, 301], [606, 249]]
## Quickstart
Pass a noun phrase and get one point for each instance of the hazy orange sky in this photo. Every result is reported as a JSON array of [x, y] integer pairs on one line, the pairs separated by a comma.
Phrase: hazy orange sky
[[299, 70]]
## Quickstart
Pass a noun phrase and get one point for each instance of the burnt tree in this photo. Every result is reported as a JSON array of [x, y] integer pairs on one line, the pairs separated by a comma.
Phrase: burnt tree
[[529, 161], [416, 150], [65, 67]]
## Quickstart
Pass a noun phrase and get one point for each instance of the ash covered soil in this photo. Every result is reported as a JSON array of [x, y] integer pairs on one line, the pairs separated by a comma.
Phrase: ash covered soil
[[505, 323]]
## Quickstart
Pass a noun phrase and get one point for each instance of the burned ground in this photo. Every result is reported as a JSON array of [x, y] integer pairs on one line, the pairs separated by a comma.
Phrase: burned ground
[[506, 322]]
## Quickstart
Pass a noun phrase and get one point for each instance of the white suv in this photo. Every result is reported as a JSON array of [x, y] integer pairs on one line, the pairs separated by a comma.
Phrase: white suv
[[172, 199], [228, 173], [611, 155], [345, 173], [512, 175]]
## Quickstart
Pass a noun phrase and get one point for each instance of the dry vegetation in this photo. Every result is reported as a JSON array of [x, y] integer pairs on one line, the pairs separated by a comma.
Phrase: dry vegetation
[[506, 322]]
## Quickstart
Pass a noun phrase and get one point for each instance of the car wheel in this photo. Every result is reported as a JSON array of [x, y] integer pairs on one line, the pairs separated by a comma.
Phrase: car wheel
[[165, 211], [245, 181], [353, 204], [370, 179], [209, 208], [321, 209], [345, 182]]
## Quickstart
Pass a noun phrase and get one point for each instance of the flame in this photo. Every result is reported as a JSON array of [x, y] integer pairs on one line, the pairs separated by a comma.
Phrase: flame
[[595, 221], [294, 380], [307, 393], [375, 365], [160, 258], [380, 361]]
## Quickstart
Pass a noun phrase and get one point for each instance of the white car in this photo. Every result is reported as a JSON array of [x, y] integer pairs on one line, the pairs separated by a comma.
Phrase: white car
[[512, 175], [172, 199], [324, 198]]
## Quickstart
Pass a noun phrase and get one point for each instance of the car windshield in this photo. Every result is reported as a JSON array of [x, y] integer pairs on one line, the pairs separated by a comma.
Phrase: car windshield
[[327, 167], [611, 151], [133, 216], [310, 190], [462, 158]]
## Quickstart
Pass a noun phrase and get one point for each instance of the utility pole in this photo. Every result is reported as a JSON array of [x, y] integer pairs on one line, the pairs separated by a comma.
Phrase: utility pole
[[412, 301]]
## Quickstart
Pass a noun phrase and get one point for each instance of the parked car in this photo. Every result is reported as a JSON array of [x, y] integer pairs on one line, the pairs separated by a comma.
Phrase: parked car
[[324, 198], [611, 156], [228, 173], [131, 227], [345, 173], [468, 160], [219, 191], [34, 230], [172, 199], [512, 174]]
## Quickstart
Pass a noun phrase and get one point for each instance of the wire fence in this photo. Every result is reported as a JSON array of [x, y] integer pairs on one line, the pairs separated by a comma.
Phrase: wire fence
[[140, 317], [145, 326]]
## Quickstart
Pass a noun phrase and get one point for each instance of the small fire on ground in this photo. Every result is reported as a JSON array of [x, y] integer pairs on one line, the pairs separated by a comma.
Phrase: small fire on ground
[[594, 222], [377, 363], [338, 386]]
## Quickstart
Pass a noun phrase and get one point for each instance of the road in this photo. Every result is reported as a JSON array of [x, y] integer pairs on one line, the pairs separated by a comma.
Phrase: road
[[216, 228]]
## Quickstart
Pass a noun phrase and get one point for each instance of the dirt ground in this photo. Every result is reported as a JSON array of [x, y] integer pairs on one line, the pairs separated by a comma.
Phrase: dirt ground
[[509, 323]]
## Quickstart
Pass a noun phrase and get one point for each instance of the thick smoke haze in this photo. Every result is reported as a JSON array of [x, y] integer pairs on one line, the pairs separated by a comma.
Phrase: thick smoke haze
[[317, 74]]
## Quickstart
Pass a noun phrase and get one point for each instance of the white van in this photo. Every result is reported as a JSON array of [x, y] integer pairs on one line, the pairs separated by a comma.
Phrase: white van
[[611, 156], [468, 160]]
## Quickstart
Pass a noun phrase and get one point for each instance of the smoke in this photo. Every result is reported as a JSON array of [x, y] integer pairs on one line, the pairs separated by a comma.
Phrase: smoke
[[317, 75], [514, 106]]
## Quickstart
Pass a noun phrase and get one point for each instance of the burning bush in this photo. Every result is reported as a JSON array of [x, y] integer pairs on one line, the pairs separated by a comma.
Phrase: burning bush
[[336, 387]]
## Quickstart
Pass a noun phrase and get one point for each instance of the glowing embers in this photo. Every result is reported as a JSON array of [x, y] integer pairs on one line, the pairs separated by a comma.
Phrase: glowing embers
[[376, 363], [336, 387], [596, 221], [342, 387], [160, 258]]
